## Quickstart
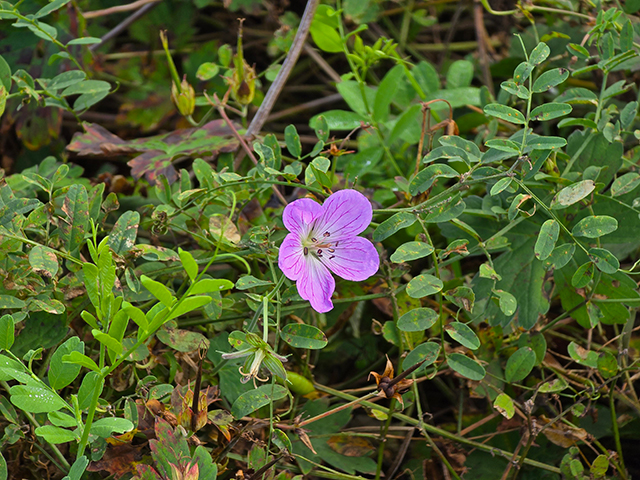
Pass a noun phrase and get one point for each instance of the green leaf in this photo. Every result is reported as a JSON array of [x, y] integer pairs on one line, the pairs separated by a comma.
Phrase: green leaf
[[90, 382], [464, 335], [411, 251], [386, 91], [187, 306], [607, 365], [522, 72], [553, 386], [582, 355], [572, 194], [520, 364], [77, 469], [583, 275], [460, 74], [249, 281], [62, 373], [56, 435], [599, 467], [210, 285], [466, 366], [73, 224], [427, 351], [504, 145], [549, 111], [122, 237], [424, 285], [108, 341], [417, 320], [7, 332], [207, 70], [560, 256], [624, 184], [504, 404], [292, 139], [536, 342], [393, 224], [104, 427], [507, 302], [537, 142], [252, 400], [547, 239], [514, 89], [35, 399], [158, 290], [52, 7], [505, 113], [300, 335], [87, 86], [324, 33], [335, 120], [500, 186], [550, 79], [79, 358], [578, 51], [188, 263], [595, 226], [84, 41], [604, 260], [539, 55], [5, 75], [66, 79], [425, 178], [9, 301], [43, 260]]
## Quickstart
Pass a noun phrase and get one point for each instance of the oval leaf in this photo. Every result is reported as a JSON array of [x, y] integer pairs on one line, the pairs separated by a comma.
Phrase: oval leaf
[[547, 239], [549, 111], [595, 226], [252, 400], [572, 194], [417, 320], [35, 399], [424, 285], [520, 364], [550, 79], [504, 404], [505, 113], [411, 251], [392, 225], [427, 351], [463, 334], [300, 335], [604, 260], [466, 366]]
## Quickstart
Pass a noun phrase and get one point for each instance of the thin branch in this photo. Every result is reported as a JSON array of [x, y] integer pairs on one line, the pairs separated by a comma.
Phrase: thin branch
[[118, 9], [292, 57], [124, 25]]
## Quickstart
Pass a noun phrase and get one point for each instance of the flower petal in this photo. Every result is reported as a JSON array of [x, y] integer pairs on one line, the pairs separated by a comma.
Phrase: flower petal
[[316, 284], [298, 216], [345, 213], [291, 259], [355, 259]]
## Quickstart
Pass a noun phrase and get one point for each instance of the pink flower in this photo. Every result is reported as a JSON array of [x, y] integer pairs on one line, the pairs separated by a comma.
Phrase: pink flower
[[324, 239]]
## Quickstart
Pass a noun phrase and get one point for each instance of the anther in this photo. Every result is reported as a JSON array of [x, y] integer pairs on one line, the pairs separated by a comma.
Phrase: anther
[[319, 252], [336, 244], [314, 240], [326, 234], [332, 250], [332, 257], [306, 251]]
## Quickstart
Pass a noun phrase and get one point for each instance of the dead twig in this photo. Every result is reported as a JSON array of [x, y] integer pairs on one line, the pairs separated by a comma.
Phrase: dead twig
[[118, 9]]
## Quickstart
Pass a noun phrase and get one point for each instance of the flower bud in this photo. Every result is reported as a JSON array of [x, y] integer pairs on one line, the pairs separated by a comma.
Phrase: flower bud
[[184, 98], [243, 83]]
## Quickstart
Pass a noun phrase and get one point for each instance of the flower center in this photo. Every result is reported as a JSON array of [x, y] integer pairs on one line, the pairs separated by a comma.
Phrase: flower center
[[320, 247]]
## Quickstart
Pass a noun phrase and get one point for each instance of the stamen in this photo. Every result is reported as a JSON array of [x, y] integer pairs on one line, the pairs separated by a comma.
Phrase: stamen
[[319, 252], [306, 251], [332, 250], [326, 234], [336, 244], [314, 240], [332, 257]]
